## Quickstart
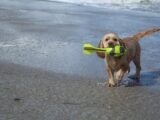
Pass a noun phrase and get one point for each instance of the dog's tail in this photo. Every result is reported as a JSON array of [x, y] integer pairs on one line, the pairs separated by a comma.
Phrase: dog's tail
[[140, 35]]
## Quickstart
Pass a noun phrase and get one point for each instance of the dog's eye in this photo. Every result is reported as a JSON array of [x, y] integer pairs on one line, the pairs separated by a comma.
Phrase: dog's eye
[[106, 39], [114, 39]]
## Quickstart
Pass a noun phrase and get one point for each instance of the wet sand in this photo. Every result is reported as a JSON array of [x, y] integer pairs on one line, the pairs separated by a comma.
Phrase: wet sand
[[43, 95], [45, 76]]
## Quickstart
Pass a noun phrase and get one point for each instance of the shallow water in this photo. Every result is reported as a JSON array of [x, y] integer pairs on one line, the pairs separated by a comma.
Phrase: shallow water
[[50, 35]]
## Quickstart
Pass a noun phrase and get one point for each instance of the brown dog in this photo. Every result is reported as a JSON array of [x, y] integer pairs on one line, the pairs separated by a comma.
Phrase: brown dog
[[117, 66]]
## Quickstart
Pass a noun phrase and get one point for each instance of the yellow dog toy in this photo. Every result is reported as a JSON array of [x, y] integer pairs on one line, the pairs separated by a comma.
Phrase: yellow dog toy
[[116, 51]]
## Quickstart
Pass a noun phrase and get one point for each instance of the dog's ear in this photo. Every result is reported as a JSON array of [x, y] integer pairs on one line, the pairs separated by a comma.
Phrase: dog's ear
[[101, 54], [122, 43]]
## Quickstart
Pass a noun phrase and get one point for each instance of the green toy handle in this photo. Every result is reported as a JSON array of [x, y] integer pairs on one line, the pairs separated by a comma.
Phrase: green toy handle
[[116, 51]]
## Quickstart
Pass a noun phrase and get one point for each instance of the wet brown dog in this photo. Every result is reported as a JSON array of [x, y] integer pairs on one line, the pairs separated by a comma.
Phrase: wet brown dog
[[116, 67]]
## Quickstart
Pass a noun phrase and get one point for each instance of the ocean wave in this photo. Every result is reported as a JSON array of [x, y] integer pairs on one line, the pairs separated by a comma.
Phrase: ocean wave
[[146, 5]]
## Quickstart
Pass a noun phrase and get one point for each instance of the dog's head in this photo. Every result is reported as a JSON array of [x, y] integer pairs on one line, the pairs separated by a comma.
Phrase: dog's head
[[109, 40]]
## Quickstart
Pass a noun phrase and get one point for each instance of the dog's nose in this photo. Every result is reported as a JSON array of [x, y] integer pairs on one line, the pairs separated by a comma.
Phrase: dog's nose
[[110, 43]]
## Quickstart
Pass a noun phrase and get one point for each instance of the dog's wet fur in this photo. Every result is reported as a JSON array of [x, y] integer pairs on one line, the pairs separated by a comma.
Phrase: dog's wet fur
[[117, 67]]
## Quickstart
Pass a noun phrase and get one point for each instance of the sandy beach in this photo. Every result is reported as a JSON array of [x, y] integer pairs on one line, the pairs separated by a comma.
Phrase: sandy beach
[[45, 76]]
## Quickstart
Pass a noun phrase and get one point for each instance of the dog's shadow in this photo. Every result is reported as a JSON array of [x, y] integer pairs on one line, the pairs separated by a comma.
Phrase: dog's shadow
[[150, 78]]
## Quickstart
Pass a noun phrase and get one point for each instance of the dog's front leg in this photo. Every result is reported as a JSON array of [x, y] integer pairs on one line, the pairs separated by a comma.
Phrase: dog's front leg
[[111, 82], [120, 74]]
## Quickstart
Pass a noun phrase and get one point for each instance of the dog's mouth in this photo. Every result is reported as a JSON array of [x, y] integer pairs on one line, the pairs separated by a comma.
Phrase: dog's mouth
[[112, 45]]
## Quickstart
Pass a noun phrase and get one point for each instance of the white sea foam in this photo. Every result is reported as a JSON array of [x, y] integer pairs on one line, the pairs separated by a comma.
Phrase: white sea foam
[[148, 5], [108, 1]]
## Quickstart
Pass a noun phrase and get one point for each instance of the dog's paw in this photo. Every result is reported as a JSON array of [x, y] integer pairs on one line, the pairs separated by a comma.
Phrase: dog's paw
[[118, 83], [112, 85]]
